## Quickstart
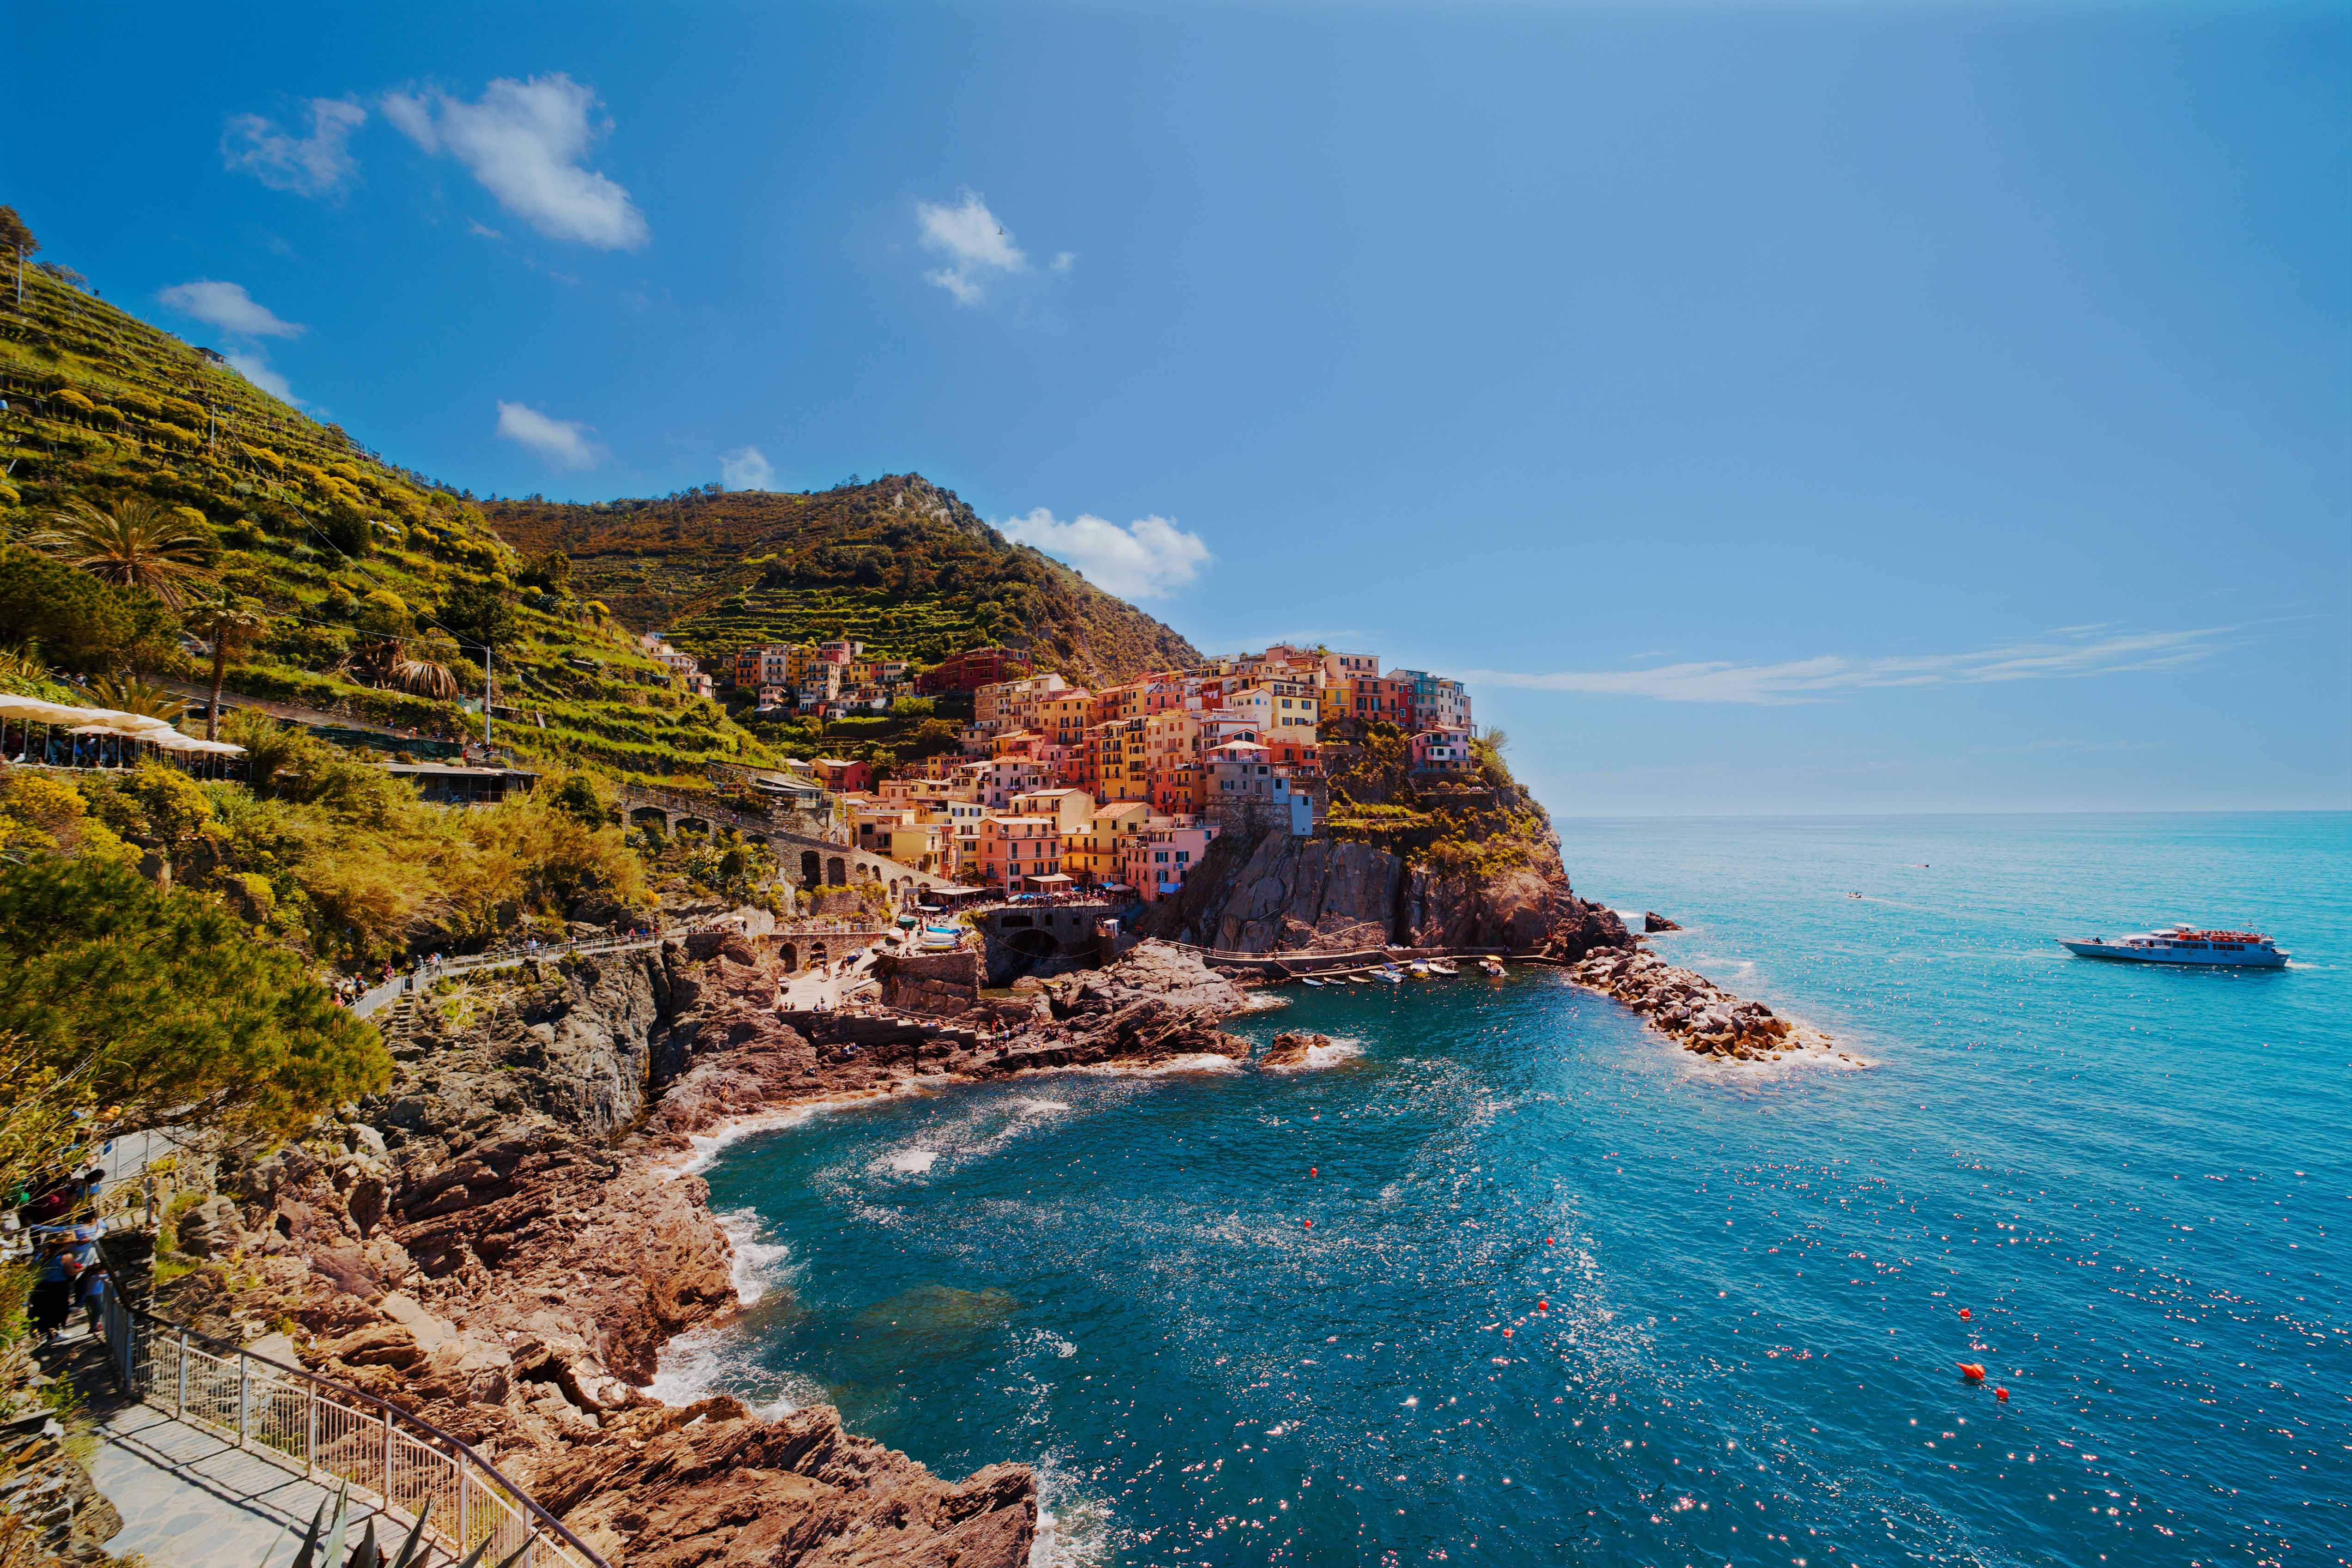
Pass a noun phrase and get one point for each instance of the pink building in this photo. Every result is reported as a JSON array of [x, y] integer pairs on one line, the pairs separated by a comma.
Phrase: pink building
[[1158, 855]]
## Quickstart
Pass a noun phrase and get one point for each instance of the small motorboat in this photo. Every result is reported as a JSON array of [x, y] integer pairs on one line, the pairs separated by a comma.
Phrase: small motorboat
[[1359, 979], [1491, 965], [1417, 969], [1388, 977], [1440, 966], [1309, 980]]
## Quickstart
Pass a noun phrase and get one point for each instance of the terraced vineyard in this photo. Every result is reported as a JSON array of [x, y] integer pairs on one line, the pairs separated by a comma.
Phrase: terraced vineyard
[[350, 557], [899, 564]]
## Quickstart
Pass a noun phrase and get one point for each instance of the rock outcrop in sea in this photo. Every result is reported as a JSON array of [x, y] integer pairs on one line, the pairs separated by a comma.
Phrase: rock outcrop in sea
[[1693, 1010]]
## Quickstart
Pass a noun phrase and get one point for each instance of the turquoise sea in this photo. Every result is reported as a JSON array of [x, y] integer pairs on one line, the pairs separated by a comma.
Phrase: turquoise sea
[[1569, 1296]]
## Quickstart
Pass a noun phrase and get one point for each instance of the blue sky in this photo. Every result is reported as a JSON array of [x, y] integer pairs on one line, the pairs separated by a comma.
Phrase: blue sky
[[1823, 407]]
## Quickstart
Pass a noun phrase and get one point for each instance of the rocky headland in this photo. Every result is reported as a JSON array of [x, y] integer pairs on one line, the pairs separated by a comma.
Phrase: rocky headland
[[1325, 894]]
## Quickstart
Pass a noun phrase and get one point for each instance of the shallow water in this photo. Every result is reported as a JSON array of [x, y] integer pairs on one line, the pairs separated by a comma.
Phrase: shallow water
[[1732, 1296]]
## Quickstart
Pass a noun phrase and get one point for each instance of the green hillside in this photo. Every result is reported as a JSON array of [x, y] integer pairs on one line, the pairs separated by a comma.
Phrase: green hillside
[[357, 562], [899, 564]]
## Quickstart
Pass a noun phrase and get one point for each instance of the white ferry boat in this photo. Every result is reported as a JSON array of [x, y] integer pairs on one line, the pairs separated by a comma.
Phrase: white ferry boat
[[2184, 945]]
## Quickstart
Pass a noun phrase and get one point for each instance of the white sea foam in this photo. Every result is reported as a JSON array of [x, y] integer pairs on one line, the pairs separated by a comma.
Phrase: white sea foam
[[1074, 1526], [759, 1263], [911, 1162], [1199, 1061], [709, 1146], [1263, 1001]]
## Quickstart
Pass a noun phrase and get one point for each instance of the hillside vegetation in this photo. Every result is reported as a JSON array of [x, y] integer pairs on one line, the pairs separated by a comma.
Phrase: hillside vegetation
[[364, 571], [899, 564]]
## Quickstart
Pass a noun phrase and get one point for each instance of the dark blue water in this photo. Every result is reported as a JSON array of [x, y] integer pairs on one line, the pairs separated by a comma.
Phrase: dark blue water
[[1733, 1298]]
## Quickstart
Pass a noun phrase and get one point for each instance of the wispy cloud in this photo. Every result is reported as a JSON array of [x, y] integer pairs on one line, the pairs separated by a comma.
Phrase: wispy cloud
[[746, 468], [2075, 653], [565, 442], [1151, 558], [974, 240], [524, 141], [228, 306], [318, 164], [255, 366]]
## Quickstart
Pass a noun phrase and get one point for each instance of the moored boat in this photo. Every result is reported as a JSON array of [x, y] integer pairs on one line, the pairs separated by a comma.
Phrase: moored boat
[[2184, 945], [1440, 966], [1491, 965]]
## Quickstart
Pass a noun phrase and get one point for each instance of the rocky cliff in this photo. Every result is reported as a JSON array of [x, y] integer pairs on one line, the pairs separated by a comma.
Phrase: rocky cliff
[[501, 1244], [1276, 892]]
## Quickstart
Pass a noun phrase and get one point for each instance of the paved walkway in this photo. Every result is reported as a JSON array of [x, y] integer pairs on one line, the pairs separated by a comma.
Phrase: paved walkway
[[190, 1500]]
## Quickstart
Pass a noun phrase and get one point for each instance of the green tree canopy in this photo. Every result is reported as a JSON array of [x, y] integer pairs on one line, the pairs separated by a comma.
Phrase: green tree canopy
[[155, 1010], [78, 623]]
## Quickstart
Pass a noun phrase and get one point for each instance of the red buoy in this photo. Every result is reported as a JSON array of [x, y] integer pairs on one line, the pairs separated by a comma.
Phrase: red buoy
[[2002, 1395], [1543, 1306], [1507, 1334], [1964, 1312], [1972, 1371], [1547, 1241], [1310, 1225], [1313, 1171]]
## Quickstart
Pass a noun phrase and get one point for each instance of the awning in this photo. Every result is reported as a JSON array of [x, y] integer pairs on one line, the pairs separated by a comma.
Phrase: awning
[[1053, 877], [37, 710]]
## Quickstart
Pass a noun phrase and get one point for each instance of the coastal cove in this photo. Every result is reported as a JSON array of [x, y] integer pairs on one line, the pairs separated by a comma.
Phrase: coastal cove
[[1754, 1271]]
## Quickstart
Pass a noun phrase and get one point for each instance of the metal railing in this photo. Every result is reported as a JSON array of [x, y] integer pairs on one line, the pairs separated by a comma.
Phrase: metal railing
[[321, 1430]]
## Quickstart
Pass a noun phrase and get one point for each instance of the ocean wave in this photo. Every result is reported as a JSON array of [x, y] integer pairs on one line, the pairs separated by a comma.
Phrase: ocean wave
[[1199, 1061], [709, 1146], [759, 1263], [1263, 1001], [1075, 1528]]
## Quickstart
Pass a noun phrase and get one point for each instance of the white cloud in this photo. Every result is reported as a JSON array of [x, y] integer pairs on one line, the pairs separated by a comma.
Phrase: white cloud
[[523, 141], [254, 366], [482, 229], [1151, 558], [2076, 652], [562, 442], [975, 242], [746, 468], [1064, 260], [228, 307], [312, 166]]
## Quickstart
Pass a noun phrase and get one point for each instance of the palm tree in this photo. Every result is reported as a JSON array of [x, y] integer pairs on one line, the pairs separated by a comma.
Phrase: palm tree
[[394, 664], [136, 544], [224, 621], [416, 672], [136, 693]]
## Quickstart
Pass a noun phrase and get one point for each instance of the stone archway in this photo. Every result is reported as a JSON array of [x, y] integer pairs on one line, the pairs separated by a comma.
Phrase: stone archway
[[836, 874], [816, 954], [812, 869], [692, 824], [649, 816], [791, 955]]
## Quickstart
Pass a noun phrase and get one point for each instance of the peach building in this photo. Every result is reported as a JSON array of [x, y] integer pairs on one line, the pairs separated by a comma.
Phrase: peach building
[[1015, 850]]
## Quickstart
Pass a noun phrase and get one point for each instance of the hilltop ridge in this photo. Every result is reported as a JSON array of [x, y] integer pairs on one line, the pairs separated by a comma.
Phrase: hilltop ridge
[[900, 564]]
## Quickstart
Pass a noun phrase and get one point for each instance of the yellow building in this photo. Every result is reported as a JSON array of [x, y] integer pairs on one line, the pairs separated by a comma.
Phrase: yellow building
[[1094, 856]]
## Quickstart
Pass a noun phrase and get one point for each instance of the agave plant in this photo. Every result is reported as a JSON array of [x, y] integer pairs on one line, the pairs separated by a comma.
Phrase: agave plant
[[23, 663], [136, 544], [136, 693]]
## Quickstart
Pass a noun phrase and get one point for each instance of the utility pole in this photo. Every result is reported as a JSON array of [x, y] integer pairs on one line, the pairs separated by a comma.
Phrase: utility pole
[[485, 696]]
